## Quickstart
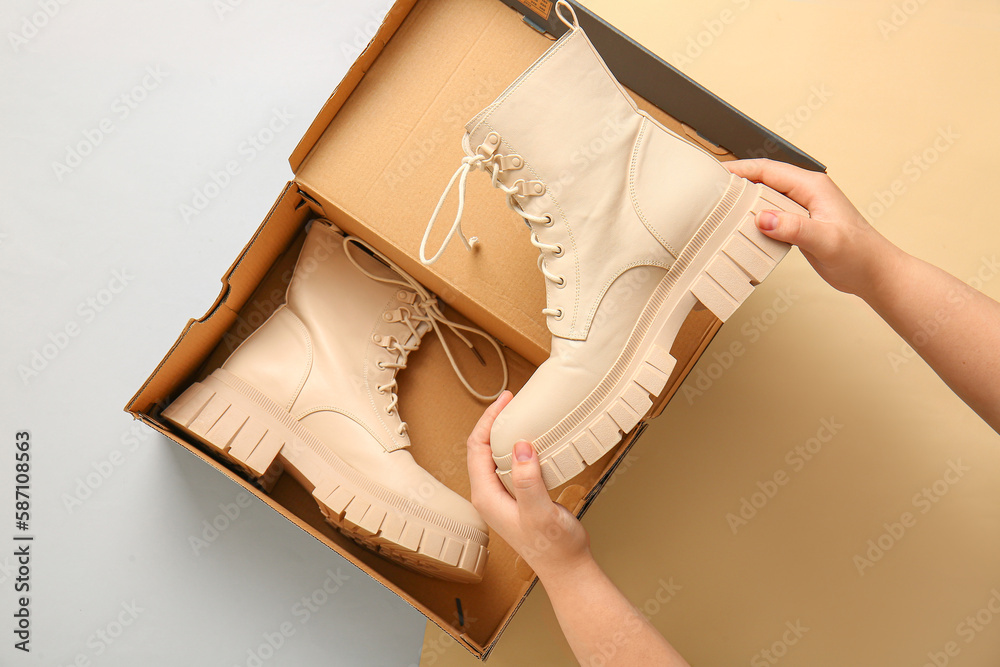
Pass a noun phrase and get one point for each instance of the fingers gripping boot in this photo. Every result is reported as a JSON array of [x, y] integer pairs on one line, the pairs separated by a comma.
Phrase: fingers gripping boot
[[634, 226], [312, 392]]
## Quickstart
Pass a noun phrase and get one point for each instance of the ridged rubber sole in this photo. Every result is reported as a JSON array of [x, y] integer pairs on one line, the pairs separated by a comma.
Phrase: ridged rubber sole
[[720, 268], [253, 433]]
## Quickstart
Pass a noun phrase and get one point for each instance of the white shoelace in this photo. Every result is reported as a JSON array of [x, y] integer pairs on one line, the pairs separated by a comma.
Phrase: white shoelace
[[487, 160], [423, 308]]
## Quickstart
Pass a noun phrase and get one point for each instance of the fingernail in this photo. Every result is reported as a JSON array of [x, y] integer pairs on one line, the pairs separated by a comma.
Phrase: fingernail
[[767, 220], [522, 451]]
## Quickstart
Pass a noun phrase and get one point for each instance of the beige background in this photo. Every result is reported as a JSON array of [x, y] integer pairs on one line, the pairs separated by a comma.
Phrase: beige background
[[842, 82]]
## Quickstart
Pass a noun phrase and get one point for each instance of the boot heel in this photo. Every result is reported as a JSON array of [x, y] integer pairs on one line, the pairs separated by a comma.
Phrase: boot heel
[[747, 257], [218, 417]]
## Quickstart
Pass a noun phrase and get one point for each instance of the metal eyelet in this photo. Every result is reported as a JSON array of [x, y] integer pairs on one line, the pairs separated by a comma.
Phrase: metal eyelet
[[380, 365], [560, 315], [548, 221], [562, 282], [560, 251]]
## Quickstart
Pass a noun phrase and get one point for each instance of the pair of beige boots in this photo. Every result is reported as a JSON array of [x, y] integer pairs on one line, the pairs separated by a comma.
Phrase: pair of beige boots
[[628, 244]]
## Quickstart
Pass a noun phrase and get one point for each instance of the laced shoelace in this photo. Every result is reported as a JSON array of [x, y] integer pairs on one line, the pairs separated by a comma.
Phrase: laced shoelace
[[421, 307], [487, 159]]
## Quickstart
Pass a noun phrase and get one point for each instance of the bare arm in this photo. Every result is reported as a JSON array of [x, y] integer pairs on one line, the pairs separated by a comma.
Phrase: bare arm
[[600, 624], [955, 328]]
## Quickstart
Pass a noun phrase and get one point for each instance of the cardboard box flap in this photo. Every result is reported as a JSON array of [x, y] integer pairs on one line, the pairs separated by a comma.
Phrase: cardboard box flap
[[409, 99]]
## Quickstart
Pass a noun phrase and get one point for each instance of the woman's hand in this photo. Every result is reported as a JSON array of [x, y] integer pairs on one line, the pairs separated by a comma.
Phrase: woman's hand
[[546, 535], [844, 249]]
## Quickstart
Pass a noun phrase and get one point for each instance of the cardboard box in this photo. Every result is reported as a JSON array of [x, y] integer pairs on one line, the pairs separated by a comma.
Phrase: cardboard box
[[374, 162]]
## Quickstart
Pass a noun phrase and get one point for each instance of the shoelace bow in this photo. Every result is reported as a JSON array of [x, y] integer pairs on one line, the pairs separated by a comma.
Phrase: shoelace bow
[[424, 308]]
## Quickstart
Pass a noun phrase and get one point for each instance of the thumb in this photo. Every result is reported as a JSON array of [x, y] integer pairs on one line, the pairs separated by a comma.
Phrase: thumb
[[526, 480], [792, 228]]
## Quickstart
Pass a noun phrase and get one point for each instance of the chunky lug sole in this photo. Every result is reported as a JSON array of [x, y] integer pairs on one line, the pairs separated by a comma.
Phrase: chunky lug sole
[[248, 429], [720, 267]]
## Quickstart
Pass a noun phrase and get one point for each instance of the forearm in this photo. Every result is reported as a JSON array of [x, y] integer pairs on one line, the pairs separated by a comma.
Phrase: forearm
[[953, 327], [600, 624]]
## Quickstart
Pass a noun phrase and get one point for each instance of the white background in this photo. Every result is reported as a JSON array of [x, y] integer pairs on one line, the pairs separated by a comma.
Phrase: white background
[[100, 270]]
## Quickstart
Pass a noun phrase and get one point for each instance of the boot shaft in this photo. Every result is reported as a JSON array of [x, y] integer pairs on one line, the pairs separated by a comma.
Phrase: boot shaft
[[621, 190], [329, 343], [331, 294], [350, 321]]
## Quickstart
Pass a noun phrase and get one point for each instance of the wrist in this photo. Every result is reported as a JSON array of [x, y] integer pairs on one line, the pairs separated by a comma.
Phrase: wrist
[[887, 267], [566, 571]]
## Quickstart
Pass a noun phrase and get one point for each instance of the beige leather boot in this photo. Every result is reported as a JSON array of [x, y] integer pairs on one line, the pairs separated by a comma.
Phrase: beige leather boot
[[633, 224], [312, 392]]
